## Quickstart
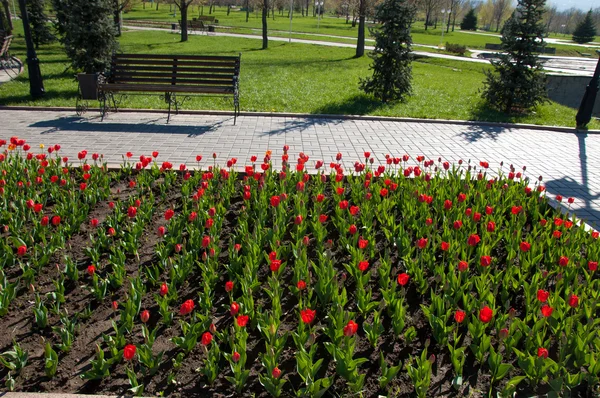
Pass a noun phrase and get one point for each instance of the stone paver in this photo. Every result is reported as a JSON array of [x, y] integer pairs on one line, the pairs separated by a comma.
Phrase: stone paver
[[569, 162]]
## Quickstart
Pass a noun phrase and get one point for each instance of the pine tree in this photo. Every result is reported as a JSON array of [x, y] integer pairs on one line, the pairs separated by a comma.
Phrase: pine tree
[[392, 71], [469, 22], [517, 82], [585, 30], [40, 31], [88, 32]]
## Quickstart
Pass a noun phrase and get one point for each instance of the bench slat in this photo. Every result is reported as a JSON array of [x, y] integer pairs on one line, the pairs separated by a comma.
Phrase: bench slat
[[179, 57], [171, 63], [163, 88], [227, 70], [167, 81], [170, 75]]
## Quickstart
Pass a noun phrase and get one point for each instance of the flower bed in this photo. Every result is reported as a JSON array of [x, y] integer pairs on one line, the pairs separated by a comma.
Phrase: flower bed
[[412, 277]]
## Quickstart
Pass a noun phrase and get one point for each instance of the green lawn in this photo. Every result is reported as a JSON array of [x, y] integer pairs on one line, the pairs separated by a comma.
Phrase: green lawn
[[293, 78], [328, 25]]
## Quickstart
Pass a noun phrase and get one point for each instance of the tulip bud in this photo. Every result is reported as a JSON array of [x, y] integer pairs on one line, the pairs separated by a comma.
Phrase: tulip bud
[[235, 356]]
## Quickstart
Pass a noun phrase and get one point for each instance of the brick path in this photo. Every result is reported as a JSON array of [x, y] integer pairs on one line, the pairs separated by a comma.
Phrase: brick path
[[569, 162]]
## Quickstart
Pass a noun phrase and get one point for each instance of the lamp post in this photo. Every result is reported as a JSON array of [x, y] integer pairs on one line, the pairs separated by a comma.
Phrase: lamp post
[[319, 5], [36, 84], [443, 23], [291, 11], [584, 114]]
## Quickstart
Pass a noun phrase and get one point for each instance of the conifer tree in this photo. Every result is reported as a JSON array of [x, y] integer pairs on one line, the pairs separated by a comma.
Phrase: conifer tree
[[40, 30], [517, 82], [392, 71], [469, 22], [585, 31]]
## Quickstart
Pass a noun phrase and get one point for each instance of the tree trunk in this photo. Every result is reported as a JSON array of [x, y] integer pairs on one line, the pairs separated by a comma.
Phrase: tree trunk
[[184, 10], [247, 10], [307, 7], [210, 8], [265, 9], [273, 11], [427, 20], [156, 5], [228, 9], [8, 17], [117, 17], [447, 26], [453, 21], [360, 44]]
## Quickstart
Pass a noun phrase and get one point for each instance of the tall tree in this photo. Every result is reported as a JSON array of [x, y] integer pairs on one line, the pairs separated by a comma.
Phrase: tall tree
[[88, 32], [265, 37], [40, 31], [517, 82], [392, 72], [119, 6], [500, 9], [585, 30], [360, 43], [430, 8], [183, 6]]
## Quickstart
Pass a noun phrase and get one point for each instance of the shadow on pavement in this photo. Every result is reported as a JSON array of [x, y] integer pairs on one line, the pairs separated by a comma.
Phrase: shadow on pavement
[[360, 104], [80, 124], [568, 187], [302, 124]]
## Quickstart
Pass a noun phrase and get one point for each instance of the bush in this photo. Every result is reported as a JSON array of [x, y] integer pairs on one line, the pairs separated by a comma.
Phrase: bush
[[456, 48], [585, 30], [469, 22]]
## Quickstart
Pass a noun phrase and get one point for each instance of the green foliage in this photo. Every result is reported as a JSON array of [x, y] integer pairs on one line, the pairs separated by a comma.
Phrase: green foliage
[[456, 48], [585, 30], [518, 83], [40, 30], [392, 71], [88, 32], [469, 21]]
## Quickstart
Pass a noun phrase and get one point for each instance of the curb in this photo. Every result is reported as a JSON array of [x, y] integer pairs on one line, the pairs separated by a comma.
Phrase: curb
[[557, 129]]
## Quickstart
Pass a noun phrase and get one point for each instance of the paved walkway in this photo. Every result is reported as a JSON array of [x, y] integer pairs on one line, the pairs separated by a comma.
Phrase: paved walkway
[[569, 162]]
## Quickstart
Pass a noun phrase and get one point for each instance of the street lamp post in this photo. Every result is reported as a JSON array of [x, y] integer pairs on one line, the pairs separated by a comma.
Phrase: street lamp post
[[36, 84], [584, 114], [443, 23], [319, 5]]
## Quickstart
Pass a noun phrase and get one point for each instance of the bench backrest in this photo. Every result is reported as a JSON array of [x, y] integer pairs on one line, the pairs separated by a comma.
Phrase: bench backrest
[[179, 70], [196, 24], [206, 18], [6, 40]]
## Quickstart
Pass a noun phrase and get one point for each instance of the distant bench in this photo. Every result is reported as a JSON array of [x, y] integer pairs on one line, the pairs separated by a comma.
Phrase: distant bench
[[194, 26], [541, 49], [171, 75]]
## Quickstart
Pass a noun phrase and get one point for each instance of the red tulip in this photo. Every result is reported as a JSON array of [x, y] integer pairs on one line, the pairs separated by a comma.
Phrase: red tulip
[[275, 200], [205, 241], [457, 224], [228, 286], [525, 246], [383, 192], [308, 315], [37, 207], [363, 265], [145, 316], [91, 270], [235, 356], [129, 352], [234, 308], [275, 264], [485, 261], [276, 372], [463, 266], [187, 307], [322, 218], [155, 154], [445, 246], [563, 261], [573, 301], [542, 353], [162, 231], [94, 222], [547, 310], [298, 220], [473, 240], [459, 316], [447, 204], [491, 226], [56, 220], [486, 314], [301, 285], [164, 289], [350, 329], [542, 295], [403, 279], [44, 221], [115, 305], [169, 214], [131, 212], [242, 320], [422, 243], [206, 338], [111, 232], [593, 265], [352, 230]]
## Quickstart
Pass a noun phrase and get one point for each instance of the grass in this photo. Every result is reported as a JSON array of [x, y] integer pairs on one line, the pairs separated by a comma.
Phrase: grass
[[329, 25], [293, 78]]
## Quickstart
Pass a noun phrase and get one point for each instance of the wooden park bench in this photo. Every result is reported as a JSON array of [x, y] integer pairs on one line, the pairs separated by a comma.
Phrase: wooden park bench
[[171, 75], [4, 46], [195, 25], [207, 18]]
